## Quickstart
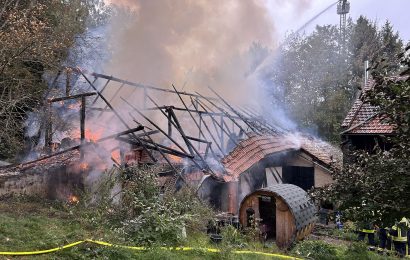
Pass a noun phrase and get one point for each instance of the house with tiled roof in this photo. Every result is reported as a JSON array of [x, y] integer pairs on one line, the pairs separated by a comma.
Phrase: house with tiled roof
[[264, 160], [363, 126]]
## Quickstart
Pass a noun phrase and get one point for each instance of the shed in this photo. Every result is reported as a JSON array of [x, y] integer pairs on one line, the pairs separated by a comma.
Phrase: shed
[[285, 211]]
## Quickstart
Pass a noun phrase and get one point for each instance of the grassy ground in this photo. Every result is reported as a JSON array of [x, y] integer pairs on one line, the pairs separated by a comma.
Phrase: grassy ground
[[28, 224]]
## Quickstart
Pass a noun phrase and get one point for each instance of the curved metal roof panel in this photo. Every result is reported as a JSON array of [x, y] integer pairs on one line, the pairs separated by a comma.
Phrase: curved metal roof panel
[[298, 202]]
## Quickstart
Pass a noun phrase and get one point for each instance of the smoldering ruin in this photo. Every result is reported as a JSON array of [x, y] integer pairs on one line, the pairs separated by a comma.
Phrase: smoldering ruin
[[223, 151], [239, 153]]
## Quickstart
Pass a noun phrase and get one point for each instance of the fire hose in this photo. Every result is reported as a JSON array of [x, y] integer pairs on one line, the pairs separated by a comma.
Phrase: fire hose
[[212, 250]]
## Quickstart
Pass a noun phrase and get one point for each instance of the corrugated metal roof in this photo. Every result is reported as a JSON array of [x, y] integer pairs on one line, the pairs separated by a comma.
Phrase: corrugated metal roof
[[301, 206]]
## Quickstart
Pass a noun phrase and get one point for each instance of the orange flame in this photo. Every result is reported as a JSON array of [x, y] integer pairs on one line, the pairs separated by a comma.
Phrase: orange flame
[[90, 134], [116, 155], [73, 199], [76, 106], [84, 166], [174, 158]]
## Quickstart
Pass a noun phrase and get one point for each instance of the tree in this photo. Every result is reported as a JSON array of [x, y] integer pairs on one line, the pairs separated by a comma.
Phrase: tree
[[391, 45], [364, 45], [35, 37], [308, 72], [317, 81], [376, 186]]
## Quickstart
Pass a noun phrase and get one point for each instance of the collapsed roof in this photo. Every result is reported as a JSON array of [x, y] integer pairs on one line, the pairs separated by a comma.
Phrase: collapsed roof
[[220, 139]]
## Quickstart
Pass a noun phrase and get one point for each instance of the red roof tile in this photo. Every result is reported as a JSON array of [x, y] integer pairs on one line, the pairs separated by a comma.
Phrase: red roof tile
[[251, 150], [363, 118]]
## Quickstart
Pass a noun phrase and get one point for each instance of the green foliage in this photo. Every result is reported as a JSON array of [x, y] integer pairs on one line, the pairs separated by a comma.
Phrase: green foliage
[[28, 223], [153, 218], [316, 78], [375, 187], [344, 234], [232, 237], [359, 250], [35, 37], [317, 250]]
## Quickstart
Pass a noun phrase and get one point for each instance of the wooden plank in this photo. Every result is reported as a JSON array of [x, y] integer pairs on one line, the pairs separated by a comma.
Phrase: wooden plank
[[51, 100], [285, 224], [82, 125]]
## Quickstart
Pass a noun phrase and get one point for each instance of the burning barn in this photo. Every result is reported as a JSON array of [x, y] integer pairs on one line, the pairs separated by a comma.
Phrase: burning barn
[[225, 152]]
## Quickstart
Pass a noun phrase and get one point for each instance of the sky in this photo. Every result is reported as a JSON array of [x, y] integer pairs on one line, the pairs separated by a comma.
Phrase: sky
[[286, 18]]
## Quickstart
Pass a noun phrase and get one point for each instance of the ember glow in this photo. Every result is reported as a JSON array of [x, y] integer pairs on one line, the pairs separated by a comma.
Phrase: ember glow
[[175, 159], [91, 135], [73, 199], [75, 106], [116, 156], [84, 166]]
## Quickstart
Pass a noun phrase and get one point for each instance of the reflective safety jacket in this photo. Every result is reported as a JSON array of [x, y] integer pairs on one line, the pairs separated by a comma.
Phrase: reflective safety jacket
[[398, 234]]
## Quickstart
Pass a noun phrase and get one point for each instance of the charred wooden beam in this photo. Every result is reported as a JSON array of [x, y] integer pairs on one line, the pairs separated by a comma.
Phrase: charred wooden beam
[[167, 160], [191, 148], [49, 128], [164, 156], [267, 125], [67, 82], [82, 124], [156, 147], [162, 150], [49, 156], [207, 128], [102, 90], [117, 114], [233, 110], [224, 112], [100, 109], [188, 110], [189, 144], [205, 107], [155, 125], [85, 145], [172, 121], [162, 131], [133, 130], [198, 139], [112, 98], [51, 100], [53, 84], [190, 114], [256, 122], [144, 86], [169, 117]]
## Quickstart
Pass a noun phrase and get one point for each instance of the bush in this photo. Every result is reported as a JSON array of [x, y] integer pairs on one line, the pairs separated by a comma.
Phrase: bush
[[156, 219], [317, 250]]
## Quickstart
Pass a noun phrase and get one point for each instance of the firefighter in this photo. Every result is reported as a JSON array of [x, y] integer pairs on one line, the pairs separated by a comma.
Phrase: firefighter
[[384, 239], [369, 230], [399, 235]]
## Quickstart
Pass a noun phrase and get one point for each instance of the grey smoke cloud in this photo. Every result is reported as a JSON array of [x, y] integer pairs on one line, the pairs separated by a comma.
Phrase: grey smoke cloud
[[191, 43]]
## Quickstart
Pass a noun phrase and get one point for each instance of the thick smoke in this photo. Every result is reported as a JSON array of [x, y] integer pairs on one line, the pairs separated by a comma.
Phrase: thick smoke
[[192, 44]]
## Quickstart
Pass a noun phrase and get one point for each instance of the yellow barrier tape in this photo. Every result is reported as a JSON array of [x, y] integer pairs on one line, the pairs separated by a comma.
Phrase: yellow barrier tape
[[43, 251], [102, 243]]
